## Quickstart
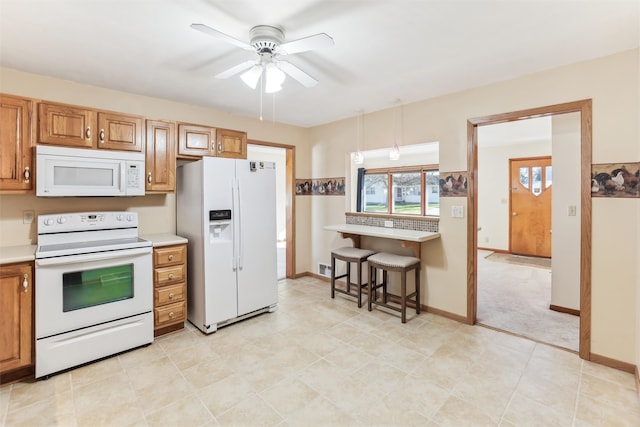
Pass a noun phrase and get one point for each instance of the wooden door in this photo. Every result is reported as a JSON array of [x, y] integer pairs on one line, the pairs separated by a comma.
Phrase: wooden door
[[194, 140], [232, 144], [66, 125], [530, 230], [16, 167], [160, 157], [120, 132], [16, 305]]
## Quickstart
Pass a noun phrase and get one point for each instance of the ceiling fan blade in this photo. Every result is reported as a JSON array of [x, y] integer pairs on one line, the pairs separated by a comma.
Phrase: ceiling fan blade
[[297, 74], [235, 69], [317, 41], [222, 36]]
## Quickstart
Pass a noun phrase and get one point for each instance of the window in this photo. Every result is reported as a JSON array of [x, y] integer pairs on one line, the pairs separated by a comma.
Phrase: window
[[415, 190]]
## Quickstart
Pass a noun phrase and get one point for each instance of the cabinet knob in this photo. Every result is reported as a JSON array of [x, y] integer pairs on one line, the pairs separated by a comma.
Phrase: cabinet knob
[[170, 275], [220, 147], [149, 178], [27, 174], [170, 257], [171, 295], [87, 133], [25, 283], [171, 314], [102, 136]]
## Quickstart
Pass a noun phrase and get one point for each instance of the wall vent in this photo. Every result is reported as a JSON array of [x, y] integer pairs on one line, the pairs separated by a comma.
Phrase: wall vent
[[324, 269]]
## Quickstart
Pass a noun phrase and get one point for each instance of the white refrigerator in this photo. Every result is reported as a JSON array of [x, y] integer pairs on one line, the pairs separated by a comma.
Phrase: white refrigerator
[[226, 209]]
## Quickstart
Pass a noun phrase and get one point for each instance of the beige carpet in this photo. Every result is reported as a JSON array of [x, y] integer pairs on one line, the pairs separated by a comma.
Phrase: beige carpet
[[515, 297]]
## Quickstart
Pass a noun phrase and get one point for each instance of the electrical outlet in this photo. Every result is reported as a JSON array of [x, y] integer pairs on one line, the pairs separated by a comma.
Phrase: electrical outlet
[[27, 217], [571, 210], [388, 224]]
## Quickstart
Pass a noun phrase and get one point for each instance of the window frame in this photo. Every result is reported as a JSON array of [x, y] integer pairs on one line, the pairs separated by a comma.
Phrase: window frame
[[421, 169]]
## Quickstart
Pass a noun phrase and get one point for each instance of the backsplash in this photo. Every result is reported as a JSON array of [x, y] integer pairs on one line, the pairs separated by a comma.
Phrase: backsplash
[[417, 224]]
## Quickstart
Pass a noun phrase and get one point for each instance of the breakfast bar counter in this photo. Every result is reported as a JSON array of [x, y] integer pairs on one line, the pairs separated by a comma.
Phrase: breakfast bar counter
[[408, 238]]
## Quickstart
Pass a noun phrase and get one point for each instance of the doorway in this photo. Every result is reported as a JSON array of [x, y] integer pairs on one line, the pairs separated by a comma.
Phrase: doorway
[[584, 108], [283, 156]]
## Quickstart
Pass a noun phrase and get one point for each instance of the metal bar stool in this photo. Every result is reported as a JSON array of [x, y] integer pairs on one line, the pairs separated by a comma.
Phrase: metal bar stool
[[349, 255], [391, 262]]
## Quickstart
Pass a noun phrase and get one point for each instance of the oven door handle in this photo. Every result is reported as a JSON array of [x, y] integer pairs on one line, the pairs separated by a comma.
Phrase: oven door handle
[[98, 256]]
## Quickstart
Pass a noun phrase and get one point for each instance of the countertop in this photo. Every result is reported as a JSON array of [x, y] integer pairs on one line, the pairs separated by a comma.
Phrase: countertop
[[22, 253], [26, 253], [164, 239], [387, 233]]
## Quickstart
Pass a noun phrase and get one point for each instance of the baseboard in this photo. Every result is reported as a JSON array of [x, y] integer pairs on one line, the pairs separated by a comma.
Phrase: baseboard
[[637, 377], [564, 309], [28, 372], [314, 275], [499, 251], [444, 313], [613, 363]]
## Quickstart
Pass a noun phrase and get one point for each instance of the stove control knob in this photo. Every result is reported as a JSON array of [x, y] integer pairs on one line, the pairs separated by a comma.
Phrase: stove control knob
[[119, 217], [129, 217], [62, 220], [48, 221]]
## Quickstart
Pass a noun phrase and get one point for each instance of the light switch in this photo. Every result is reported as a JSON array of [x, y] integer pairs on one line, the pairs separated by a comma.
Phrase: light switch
[[388, 224], [571, 210], [457, 211], [27, 217]]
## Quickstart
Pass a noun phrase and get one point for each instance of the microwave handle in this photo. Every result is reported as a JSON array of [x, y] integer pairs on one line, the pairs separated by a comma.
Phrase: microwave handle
[[100, 256]]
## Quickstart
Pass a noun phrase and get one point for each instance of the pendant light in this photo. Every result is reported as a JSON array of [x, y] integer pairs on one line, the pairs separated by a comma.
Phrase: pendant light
[[358, 157], [394, 152]]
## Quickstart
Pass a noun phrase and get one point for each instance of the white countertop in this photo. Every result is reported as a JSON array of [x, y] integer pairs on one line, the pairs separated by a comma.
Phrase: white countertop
[[387, 233], [22, 253], [164, 239]]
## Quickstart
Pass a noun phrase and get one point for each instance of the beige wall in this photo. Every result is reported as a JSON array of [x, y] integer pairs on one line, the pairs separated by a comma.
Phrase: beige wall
[[444, 119]]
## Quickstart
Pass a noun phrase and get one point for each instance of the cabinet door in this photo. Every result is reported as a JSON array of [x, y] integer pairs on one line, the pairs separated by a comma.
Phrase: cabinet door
[[196, 140], [16, 167], [16, 303], [232, 144], [66, 125], [161, 157], [120, 132]]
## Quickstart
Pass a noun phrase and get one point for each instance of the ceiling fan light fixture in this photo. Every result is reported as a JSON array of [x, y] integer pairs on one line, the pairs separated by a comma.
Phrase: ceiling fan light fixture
[[252, 75], [274, 77]]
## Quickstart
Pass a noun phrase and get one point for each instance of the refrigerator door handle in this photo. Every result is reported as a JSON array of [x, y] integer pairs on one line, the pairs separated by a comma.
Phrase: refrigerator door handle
[[233, 226], [239, 217]]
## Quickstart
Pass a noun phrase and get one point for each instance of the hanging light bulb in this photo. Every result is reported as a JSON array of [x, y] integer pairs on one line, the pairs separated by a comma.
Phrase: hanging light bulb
[[394, 153], [358, 157], [252, 75], [274, 77]]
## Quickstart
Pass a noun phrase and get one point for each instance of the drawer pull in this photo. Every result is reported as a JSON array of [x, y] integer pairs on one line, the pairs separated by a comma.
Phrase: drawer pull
[[170, 276], [102, 136], [171, 314], [171, 295], [170, 257]]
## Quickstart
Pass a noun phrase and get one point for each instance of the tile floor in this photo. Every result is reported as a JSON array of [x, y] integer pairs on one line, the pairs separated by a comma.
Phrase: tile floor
[[317, 362]]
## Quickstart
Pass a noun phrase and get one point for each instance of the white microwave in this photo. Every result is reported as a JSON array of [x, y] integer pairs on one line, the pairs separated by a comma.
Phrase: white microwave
[[64, 171]]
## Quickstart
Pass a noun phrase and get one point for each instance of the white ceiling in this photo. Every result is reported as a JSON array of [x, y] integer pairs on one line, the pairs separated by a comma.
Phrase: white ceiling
[[384, 49]]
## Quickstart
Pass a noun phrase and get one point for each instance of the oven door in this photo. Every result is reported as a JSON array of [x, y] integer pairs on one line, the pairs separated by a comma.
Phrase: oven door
[[78, 291]]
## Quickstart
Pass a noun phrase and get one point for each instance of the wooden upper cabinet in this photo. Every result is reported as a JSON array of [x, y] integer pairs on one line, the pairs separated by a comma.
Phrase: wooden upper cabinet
[[160, 157], [120, 132], [232, 143], [16, 326], [16, 163], [194, 140], [66, 125]]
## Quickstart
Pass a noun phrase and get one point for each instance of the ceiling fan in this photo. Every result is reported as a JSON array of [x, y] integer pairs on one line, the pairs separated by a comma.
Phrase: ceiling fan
[[269, 43]]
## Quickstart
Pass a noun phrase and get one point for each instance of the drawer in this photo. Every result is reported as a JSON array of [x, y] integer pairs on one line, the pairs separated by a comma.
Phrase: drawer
[[166, 275], [169, 294], [170, 314], [169, 255]]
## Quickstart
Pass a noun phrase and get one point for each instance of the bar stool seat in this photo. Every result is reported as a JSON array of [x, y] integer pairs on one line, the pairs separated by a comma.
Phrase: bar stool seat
[[392, 262], [349, 255]]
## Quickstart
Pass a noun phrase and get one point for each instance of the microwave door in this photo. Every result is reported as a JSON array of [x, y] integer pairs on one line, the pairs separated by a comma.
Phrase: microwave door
[[81, 177]]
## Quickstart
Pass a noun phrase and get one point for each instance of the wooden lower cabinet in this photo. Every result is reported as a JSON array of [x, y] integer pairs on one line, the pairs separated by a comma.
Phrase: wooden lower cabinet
[[16, 317], [169, 288]]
